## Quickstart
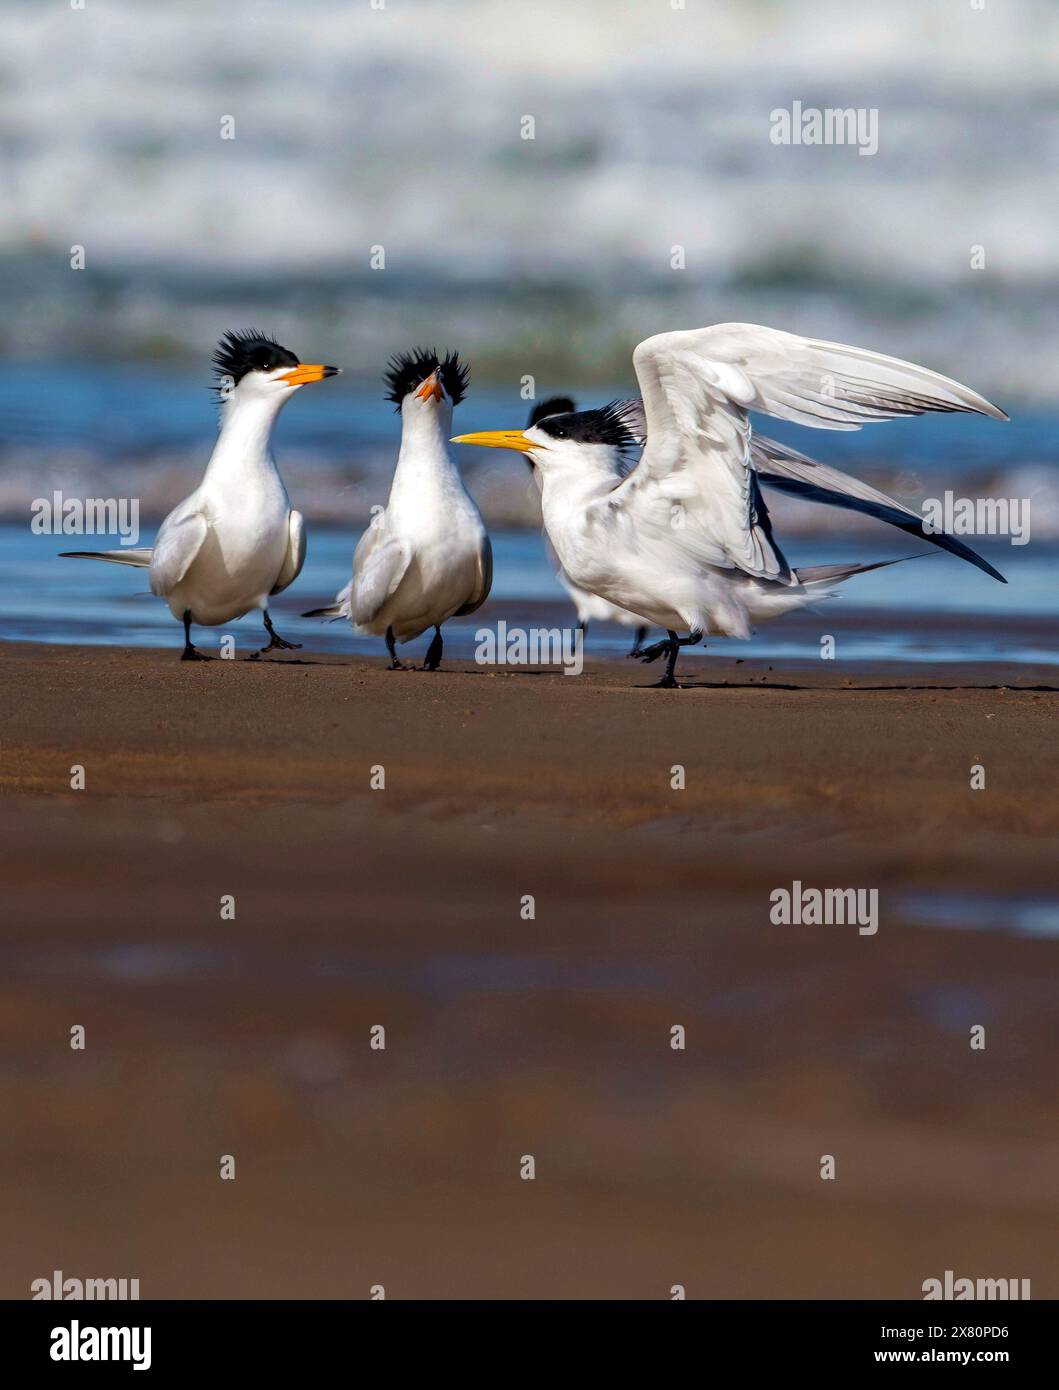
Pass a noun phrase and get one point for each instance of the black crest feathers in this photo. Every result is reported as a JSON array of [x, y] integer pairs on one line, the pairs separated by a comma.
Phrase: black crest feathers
[[610, 424], [251, 351], [407, 370], [554, 405]]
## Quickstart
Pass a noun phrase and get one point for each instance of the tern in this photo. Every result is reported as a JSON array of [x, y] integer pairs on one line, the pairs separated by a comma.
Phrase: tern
[[684, 538], [590, 608], [786, 470], [425, 558], [235, 541]]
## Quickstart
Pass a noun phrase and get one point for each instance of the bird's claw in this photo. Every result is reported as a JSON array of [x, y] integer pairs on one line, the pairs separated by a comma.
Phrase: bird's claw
[[653, 652]]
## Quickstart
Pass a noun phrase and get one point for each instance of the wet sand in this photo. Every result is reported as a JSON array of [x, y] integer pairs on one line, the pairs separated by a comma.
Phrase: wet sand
[[508, 1037]]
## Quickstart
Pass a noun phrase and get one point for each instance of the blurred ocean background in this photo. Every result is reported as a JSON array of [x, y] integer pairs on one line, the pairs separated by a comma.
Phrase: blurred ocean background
[[357, 128]]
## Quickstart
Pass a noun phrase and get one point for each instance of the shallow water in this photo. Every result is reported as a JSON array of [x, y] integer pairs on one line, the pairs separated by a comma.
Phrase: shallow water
[[145, 430], [934, 611], [1018, 916], [137, 431]]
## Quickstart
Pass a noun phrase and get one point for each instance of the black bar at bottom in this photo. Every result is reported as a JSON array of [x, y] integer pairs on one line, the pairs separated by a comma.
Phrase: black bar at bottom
[[174, 1339]]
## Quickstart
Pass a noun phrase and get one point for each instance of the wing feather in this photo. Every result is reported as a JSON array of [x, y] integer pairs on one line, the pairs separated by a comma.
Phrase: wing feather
[[380, 562], [178, 542], [484, 579], [698, 388], [798, 476], [295, 556]]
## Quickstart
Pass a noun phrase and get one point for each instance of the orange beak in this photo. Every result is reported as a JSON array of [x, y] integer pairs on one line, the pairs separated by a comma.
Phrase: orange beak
[[430, 387], [308, 371]]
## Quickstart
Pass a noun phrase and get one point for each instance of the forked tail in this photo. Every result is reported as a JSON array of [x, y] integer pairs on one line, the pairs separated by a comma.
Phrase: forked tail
[[339, 609], [137, 556], [809, 575]]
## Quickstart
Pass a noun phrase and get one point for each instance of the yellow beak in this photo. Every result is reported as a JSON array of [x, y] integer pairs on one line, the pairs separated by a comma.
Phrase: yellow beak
[[499, 439], [309, 371]]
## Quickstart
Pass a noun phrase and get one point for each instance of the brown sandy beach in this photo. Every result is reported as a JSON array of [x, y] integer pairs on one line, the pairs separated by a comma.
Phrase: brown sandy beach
[[506, 1037]]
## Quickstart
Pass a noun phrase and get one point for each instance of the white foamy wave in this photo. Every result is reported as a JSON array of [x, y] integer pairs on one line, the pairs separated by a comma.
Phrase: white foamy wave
[[400, 127]]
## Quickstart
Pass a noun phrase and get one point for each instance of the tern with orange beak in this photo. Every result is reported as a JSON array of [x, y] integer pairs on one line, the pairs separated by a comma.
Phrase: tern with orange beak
[[425, 558], [235, 542], [684, 537]]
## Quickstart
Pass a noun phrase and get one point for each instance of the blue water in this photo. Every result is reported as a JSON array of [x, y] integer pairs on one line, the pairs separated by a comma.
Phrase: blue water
[[124, 415], [128, 412], [549, 256], [145, 431], [935, 610], [1026, 915]]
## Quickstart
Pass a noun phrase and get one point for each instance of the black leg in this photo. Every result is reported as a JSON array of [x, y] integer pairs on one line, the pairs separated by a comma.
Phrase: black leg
[[276, 643], [395, 665], [434, 651], [668, 681], [670, 649], [637, 646], [191, 653]]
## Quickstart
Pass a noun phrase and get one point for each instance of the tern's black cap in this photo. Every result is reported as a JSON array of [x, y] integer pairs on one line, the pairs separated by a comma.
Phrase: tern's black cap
[[607, 425], [554, 405], [407, 370], [250, 351]]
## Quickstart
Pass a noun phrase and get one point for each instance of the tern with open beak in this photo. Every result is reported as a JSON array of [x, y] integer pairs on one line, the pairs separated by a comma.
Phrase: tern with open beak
[[235, 542], [425, 558], [684, 538]]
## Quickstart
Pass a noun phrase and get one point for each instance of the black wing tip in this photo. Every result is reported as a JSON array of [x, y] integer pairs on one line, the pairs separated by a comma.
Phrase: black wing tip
[[891, 514], [944, 540], [329, 613], [962, 552], [973, 558]]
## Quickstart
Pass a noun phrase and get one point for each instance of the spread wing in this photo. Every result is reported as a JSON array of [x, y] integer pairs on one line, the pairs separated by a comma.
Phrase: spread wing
[[695, 486], [787, 471], [295, 557], [380, 562], [179, 540]]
